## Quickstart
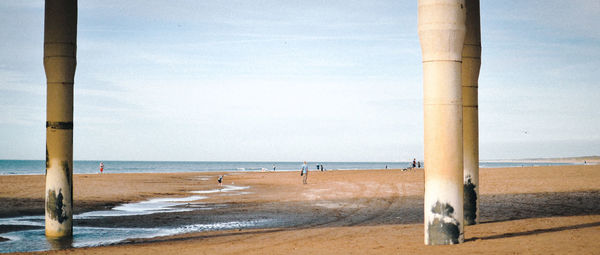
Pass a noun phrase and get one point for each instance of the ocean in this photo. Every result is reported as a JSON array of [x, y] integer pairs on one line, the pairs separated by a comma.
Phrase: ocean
[[19, 167]]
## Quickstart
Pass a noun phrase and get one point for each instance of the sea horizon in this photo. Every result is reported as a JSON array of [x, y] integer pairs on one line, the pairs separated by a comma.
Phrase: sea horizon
[[33, 167]]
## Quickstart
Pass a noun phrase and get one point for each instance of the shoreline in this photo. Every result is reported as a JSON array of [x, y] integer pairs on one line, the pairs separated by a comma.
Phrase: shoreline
[[557, 163], [572, 160], [35, 167], [340, 202]]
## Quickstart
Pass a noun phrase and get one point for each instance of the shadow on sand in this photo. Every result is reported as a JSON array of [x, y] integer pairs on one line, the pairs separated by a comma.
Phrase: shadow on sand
[[535, 232]]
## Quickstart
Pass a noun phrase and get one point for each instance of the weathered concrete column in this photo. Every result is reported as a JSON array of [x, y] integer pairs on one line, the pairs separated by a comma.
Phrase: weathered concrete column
[[471, 61], [60, 40], [441, 32]]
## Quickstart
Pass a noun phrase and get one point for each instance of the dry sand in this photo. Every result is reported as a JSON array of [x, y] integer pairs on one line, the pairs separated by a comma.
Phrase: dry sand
[[524, 210]]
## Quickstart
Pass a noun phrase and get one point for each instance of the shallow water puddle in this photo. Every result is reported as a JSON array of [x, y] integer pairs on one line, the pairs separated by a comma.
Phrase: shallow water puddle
[[157, 205], [37, 220], [161, 205], [227, 188], [35, 240]]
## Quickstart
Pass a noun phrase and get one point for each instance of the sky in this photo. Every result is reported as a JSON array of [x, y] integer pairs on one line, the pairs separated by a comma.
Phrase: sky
[[296, 80]]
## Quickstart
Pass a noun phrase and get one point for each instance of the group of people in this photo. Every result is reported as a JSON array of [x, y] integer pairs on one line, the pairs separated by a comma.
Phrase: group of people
[[303, 171], [320, 167], [416, 164]]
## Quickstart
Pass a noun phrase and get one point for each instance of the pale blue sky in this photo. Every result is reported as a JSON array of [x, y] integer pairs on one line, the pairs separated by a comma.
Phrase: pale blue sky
[[296, 80]]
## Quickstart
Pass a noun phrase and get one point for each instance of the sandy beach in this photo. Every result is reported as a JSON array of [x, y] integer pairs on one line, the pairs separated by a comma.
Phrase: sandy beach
[[523, 210]]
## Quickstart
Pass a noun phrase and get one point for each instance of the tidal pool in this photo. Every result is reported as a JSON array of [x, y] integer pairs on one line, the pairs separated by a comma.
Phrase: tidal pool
[[35, 239]]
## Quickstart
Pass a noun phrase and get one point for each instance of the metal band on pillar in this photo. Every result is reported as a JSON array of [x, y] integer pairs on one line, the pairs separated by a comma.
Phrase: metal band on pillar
[[441, 33]]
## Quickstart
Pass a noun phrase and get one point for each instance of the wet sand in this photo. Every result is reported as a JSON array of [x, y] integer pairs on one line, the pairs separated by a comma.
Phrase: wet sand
[[523, 210]]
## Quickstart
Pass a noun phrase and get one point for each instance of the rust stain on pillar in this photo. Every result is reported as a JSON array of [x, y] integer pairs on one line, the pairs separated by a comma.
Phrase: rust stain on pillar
[[471, 62], [441, 34], [60, 46]]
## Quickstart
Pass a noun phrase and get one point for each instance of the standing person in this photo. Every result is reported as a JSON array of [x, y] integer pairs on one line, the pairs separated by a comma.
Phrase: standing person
[[414, 162], [304, 172], [386, 167], [220, 180], [101, 167], [273, 167], [418, 164]]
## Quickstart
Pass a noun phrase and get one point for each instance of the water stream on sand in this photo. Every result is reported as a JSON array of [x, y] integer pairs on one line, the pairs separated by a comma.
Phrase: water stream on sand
[[35, 239]]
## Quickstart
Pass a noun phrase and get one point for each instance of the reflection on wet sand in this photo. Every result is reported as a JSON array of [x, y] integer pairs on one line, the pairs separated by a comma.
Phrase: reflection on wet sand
[[35, 240]]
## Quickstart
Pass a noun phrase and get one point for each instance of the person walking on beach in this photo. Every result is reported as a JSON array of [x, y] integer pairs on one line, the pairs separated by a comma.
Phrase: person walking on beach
[[273, 167], [101, 167], [304, 172], [220, 180], [414, 162]]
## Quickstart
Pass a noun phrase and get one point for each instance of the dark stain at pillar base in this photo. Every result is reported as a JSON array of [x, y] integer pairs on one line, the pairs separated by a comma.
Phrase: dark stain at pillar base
[[441, 231], [65, 165], [470, 202], [55, 206], [47, 162], [69, 176]]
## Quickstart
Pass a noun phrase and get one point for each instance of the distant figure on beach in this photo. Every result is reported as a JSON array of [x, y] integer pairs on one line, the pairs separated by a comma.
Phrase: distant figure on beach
[[304, 172], [101, 167], [414, 162], [317, 166], [386, 167], [273, 167], [220, 180], [418, 164], [322, 168]]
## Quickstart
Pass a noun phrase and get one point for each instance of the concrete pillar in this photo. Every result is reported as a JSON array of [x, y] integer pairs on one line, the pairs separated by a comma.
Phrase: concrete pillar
[[441, 33], [60, 34], [471, 61]]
